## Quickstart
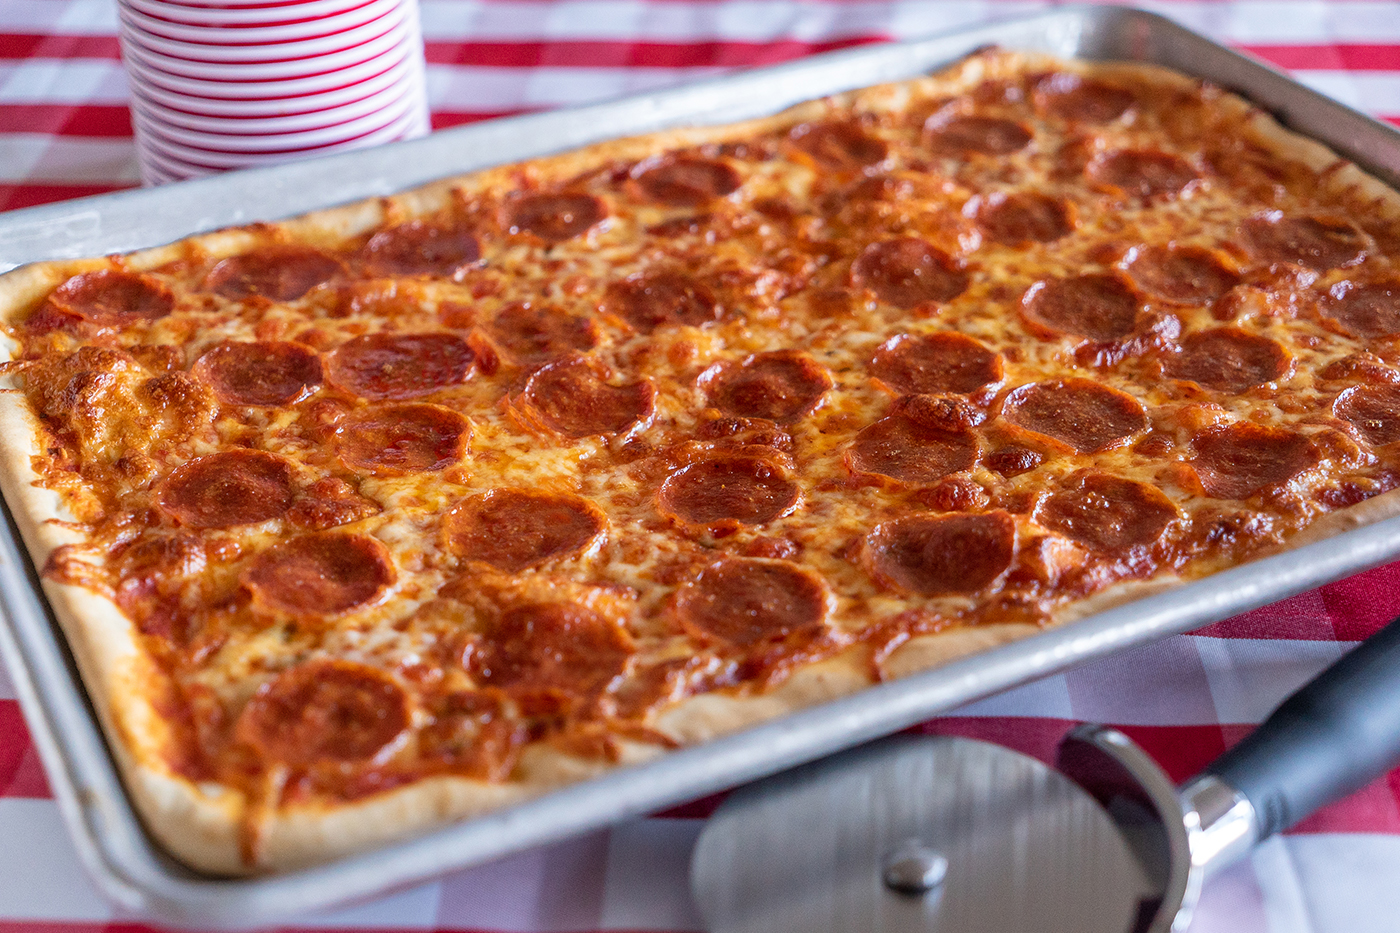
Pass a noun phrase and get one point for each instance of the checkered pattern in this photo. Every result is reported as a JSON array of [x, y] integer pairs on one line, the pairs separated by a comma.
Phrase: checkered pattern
[[65, 132]]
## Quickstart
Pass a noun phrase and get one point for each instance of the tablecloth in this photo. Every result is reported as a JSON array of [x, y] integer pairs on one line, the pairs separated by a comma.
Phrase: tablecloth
[[65, 132]]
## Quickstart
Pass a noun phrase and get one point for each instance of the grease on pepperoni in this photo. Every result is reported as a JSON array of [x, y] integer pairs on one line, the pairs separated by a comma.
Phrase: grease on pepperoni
[[399, 366], [1024, 217], [1319, 243], [422, 248], [233, 487], [1368, 311], [932, 364], [330, 711], [1238, 460], [961, 136], [1079, 414], [911, 449], [1081, 100], [841, 146], [780, 386], [536, 334], [394, 440], [940, 555], [1109, 514], [279, 273], [743, 602], [267, 374], [1145, 174], [1228, 359], [555, 218], [107, 298], [1373, 410], [515, 529], [648, 300], [746, 490], [686, 181], [1098, 306], [1189, 275], [574, 397], [908, 271], [561, 649], [321, 574]]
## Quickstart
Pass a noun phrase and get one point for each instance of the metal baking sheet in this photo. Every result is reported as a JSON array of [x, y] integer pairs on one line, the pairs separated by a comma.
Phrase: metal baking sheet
[[108, 835]]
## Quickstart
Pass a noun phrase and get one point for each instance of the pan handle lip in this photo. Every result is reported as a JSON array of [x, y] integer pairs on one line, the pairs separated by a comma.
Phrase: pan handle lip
[[1222, 826]]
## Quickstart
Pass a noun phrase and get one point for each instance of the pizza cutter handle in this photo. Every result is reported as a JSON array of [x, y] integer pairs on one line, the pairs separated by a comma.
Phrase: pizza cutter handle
[[1333, 736]]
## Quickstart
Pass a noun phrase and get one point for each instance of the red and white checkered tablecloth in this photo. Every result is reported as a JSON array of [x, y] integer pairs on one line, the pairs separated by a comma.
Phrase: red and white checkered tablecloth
[[65, 132]]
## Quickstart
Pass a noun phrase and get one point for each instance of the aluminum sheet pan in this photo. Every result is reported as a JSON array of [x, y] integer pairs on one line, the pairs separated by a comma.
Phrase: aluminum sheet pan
[[110, 841]]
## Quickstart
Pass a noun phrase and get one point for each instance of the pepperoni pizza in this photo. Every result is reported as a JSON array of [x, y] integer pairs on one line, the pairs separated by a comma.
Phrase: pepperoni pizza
[[393, 514]]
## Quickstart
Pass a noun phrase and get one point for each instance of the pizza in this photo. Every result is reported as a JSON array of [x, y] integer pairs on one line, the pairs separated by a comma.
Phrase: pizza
[[409, 510]]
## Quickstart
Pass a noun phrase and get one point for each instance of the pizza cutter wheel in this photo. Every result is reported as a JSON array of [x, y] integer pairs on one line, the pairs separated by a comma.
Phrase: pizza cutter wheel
[[947, 835]]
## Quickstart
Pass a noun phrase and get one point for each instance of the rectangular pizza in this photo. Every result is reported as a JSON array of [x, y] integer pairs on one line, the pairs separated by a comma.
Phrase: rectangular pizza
[[376, 519]]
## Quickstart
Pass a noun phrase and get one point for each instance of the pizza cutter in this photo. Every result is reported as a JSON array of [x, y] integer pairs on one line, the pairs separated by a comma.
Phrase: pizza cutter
[[948, 835]]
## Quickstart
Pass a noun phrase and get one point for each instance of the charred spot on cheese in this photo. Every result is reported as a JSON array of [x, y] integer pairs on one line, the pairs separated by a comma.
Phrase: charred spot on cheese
[[1236, 461], [577, 397], [908, 271], [910, 446], [940, 555], [1228, 359], [1366, 310], [330, 711], [278, 273], [103, 298], [1314, 242], [233, 487], [742, 602], [842, 146], [1373, 410], [1188, 275], [781, 386], [685, 181], [659, 297], [321, 574], [932, 364], [395, 440], [724, 489], [561, 653], [1075, 414], [1108, 513], [1098, 306], [1021, 218], [555, 218], [421, 247], [387, 366], [265, 374], [515, 529], [1078, 99], [1145, 174], [536, 334], [966, 135]]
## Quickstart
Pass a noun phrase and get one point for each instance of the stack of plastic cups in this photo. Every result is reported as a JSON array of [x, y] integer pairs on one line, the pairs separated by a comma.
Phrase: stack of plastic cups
[[223, 84]]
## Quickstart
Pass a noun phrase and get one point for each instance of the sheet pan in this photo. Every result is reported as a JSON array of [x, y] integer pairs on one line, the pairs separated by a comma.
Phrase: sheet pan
[[108, 834]]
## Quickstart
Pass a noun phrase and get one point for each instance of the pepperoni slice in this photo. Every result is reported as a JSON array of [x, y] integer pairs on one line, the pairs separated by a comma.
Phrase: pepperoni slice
[[1144, 173], [842, 146], [648, 300], [1025, 217], [1374, 410], [932, 364], [554, 648], [323, 574], [557, 217], [1097, 306], [941, 555], [1238, 460], [281, 273], [1080, 414], [1319, 243], [1188, 275], [961, 136], [574, 398], [513, 529], [744, 601], [908, 271], [1109, 514], [746, 490], [1081, 100], [1366, 311], [907, 448], [398, 366], [1228, 359], [780, 386], [393, 440], [110, 298], [325, 711], [538, 334], [268, 374], [687, 181], [235, 487], [421, 248]]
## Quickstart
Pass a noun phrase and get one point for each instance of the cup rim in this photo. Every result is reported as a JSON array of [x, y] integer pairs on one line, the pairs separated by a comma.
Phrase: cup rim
[[215, 161], [309, 103], [271, 90], [269, 53], [260, 36], [249, 125], [247, 143], [310, 12], [303, 67]]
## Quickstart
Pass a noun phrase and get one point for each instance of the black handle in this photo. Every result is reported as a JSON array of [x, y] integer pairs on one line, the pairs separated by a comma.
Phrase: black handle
[[1334, 736]]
